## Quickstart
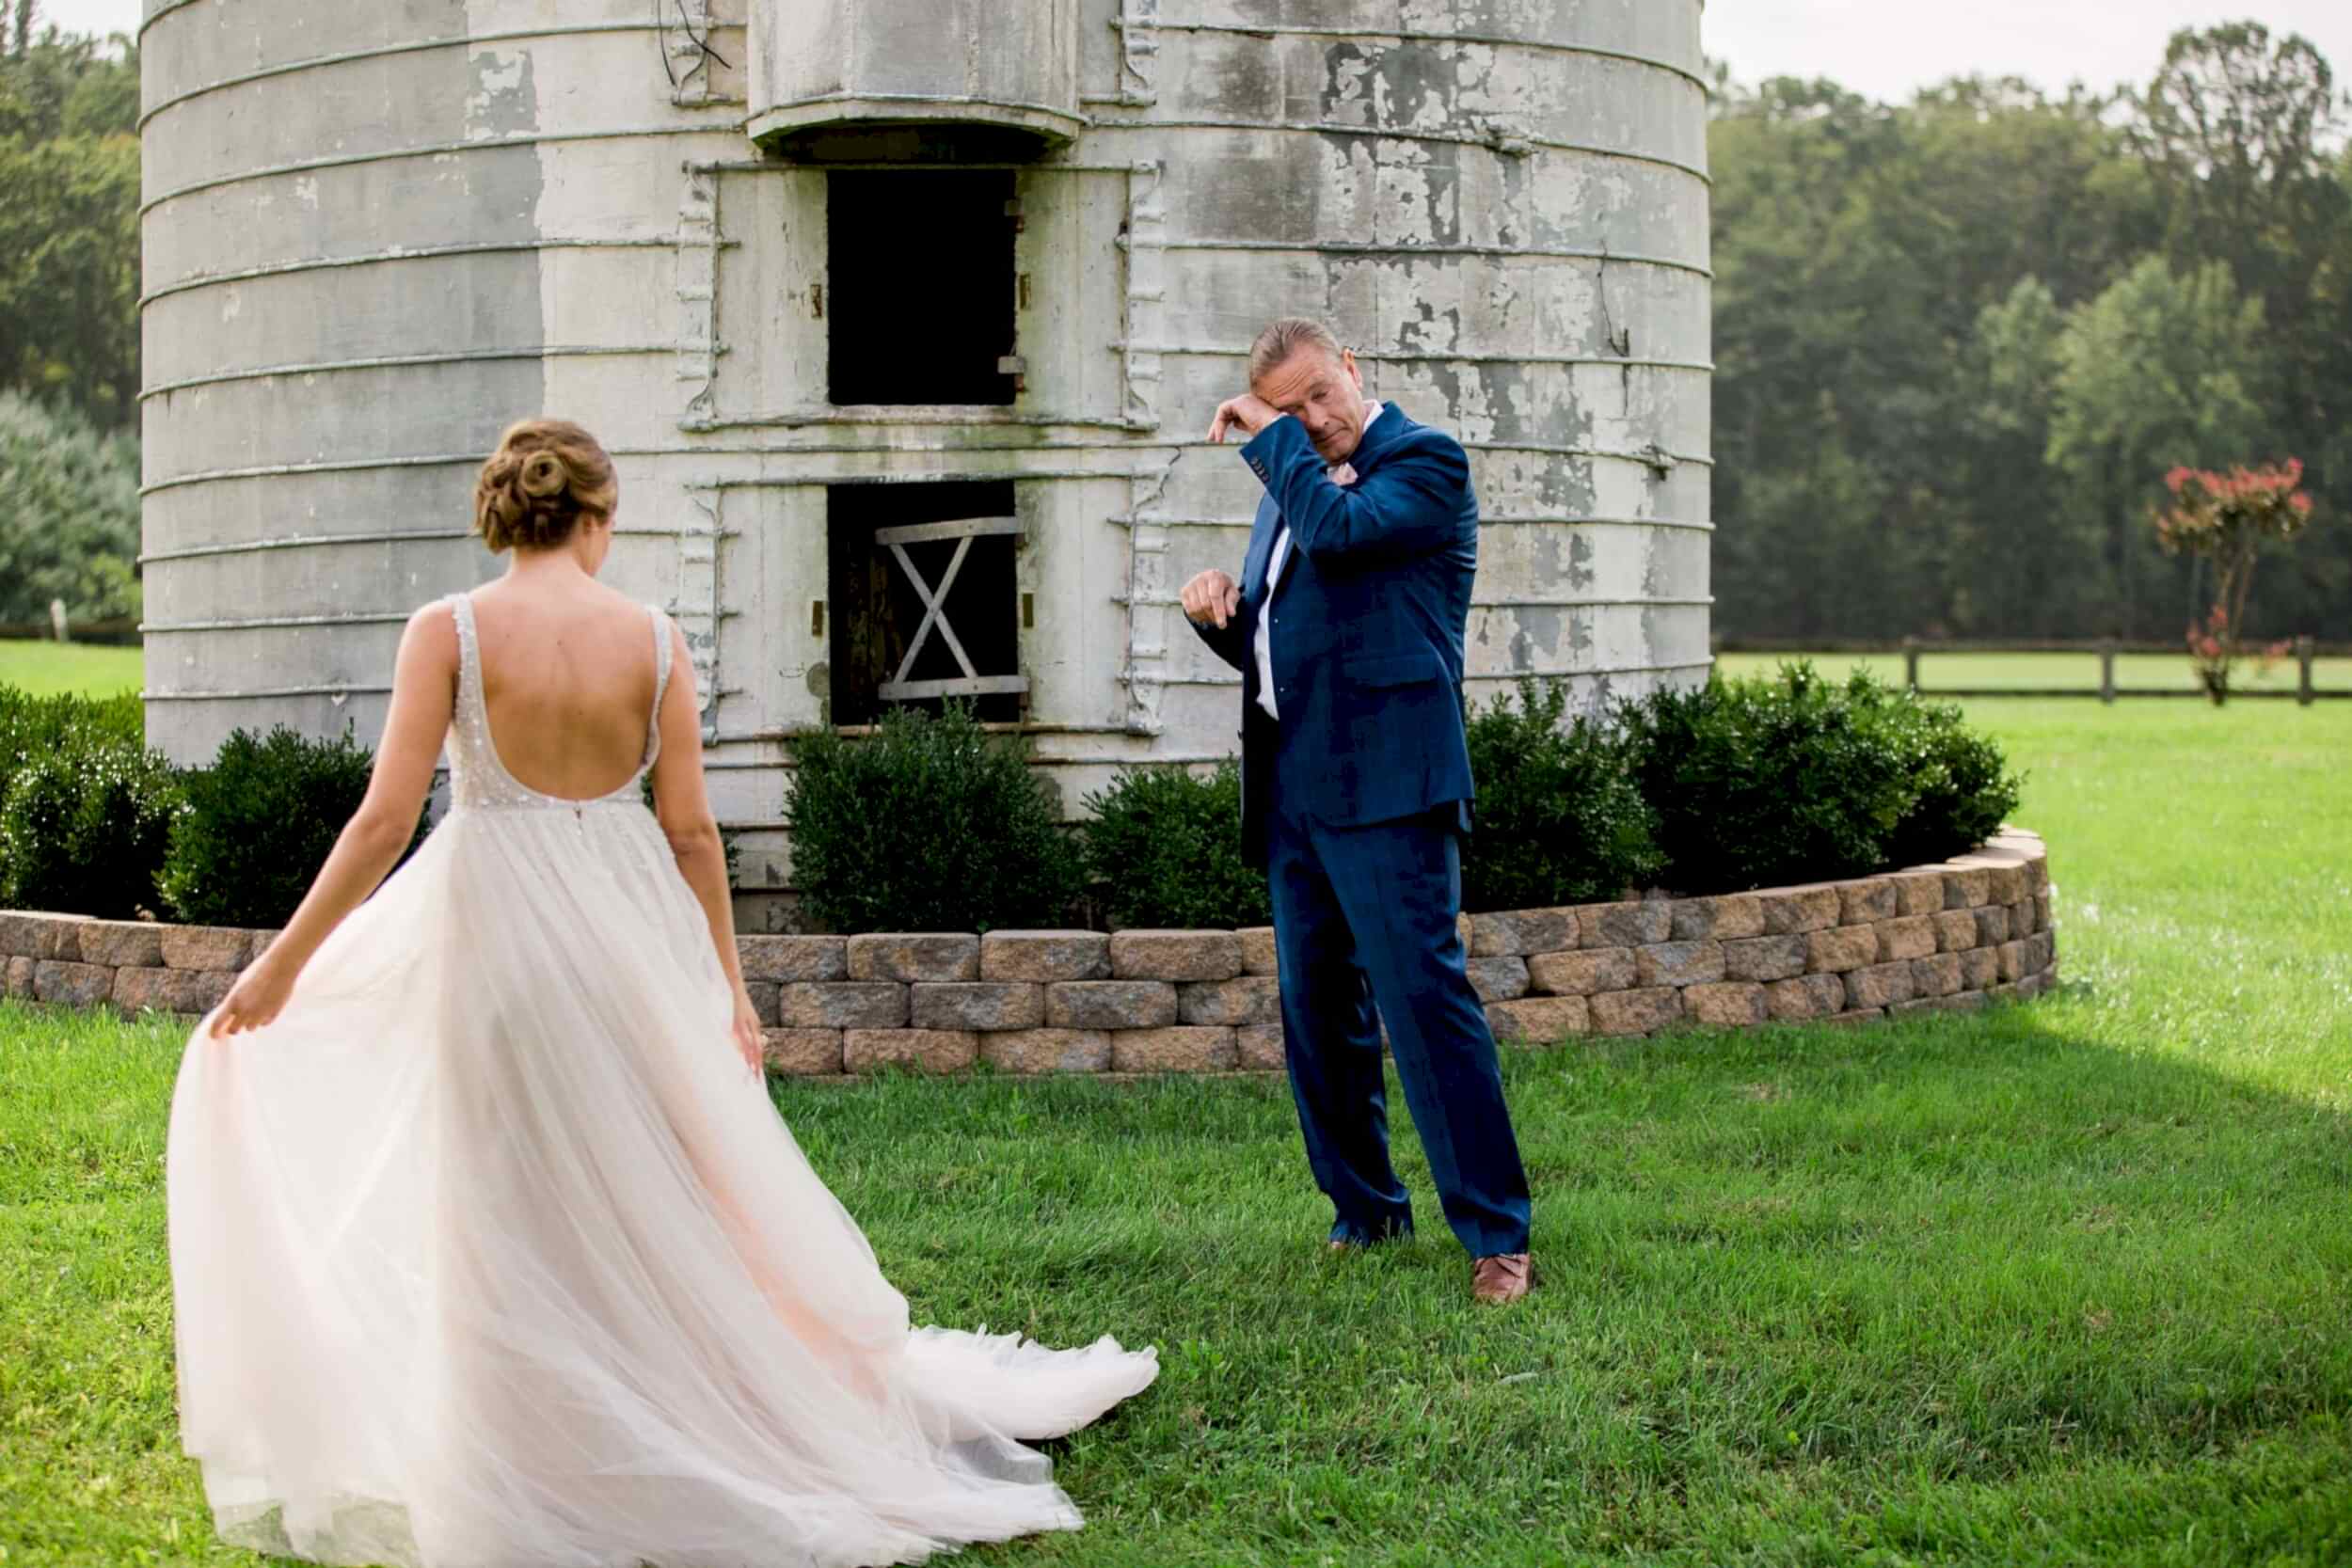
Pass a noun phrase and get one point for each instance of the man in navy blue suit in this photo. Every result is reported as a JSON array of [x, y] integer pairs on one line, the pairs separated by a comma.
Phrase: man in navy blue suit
[[1347, 626]]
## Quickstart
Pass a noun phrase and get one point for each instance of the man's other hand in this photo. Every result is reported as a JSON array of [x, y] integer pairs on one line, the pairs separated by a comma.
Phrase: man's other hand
[[1211, 596]]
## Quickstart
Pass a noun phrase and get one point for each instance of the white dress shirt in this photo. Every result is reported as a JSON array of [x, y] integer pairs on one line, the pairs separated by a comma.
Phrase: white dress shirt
[[1341, 473]]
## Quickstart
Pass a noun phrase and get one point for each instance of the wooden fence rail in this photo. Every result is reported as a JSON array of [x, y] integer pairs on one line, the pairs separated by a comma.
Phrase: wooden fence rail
[[2305, 650]]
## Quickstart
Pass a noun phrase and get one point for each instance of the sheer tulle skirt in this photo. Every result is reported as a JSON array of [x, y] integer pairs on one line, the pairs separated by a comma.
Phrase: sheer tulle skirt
[[491, 1251]]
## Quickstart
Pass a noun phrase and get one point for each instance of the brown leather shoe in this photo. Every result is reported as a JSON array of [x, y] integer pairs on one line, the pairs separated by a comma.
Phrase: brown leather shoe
[[1500, 1280]]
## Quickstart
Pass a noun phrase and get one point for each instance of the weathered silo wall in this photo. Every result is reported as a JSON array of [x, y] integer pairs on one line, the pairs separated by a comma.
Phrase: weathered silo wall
[[373, 234], [840, 323]]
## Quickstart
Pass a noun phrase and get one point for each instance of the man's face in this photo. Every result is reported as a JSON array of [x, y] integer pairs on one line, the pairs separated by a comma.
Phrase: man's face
[[1325, 394]]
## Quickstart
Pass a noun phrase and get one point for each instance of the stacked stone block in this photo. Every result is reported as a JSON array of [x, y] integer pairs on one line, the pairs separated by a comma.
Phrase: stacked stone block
[[1943, 937]]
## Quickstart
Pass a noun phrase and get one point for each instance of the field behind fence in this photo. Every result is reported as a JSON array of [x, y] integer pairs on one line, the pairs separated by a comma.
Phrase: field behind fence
[[2105, 671]]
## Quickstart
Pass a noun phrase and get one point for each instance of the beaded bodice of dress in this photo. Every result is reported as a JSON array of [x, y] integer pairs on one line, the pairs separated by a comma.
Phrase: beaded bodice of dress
[[479, 781]]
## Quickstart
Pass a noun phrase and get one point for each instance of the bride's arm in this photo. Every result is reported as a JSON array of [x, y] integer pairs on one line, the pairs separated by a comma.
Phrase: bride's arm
[[424, 685], [682, 804]]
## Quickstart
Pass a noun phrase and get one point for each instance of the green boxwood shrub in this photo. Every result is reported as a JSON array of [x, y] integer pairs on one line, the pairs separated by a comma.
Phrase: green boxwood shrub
[[928, 824], [1773, 780], [32, 728], [1165, 849], [84, 829], [1789, 778], [1965, 789], [1558, 819], [259, 824]]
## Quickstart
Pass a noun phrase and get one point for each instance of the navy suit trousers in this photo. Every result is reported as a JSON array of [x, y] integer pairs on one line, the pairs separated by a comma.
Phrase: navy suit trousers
[[1366, 918]]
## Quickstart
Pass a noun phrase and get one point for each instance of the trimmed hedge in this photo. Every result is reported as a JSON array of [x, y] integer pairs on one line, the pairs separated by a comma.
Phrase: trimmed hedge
[[1966, 790], [33, 727], [1790, 777], [1558, 819], [1164, 848], [84, 831], [92, 822], [259, 824], [928, 824]]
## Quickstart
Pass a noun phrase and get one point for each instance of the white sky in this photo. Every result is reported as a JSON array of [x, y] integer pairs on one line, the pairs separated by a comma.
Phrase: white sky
[[1881, 48], [1886, 49]]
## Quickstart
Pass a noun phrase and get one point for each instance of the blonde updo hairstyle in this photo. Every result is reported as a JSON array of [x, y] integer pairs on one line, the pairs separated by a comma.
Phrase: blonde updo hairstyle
[[545, 476]]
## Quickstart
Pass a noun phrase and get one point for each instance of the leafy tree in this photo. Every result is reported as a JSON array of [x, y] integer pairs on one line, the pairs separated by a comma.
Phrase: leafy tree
[[2162, 369], [2236, 130], [2015, 514], [69, 231], [69, 515], [1856, 248], [1897, 431]]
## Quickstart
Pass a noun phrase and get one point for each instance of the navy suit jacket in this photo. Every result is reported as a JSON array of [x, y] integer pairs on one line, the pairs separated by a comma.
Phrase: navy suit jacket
[[1368, 623]]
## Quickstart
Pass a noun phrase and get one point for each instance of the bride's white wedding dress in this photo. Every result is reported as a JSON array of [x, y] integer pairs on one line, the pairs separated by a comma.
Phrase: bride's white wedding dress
[[491, 1252]]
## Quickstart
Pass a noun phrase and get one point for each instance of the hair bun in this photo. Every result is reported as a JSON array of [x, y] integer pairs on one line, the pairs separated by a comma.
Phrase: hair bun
[[546, 475], [543, 475]]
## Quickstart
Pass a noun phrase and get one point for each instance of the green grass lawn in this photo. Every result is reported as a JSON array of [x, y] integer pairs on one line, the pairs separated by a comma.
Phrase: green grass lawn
[[2064, 1283], [2047, 672], [53, 669]]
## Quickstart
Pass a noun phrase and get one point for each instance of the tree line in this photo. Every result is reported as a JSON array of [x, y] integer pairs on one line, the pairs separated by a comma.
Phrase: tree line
[[69, 322], [1961, 341]]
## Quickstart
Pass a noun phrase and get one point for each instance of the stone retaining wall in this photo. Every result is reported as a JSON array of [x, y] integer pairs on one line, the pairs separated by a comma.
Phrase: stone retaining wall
[[1951, 935]]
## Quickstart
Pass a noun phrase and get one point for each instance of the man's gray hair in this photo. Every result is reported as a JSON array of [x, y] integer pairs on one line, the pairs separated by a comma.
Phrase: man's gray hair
[[1285, 338]]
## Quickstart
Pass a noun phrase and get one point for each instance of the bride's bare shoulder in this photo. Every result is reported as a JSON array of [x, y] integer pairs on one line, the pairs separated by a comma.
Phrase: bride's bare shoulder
[[431, 634], [437, 620]]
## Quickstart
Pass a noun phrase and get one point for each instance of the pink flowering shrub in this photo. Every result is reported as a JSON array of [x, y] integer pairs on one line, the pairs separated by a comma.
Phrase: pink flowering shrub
[[2226, 517]]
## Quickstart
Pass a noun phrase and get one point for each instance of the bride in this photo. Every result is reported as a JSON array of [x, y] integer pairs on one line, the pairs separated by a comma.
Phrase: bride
[[488, 1248]]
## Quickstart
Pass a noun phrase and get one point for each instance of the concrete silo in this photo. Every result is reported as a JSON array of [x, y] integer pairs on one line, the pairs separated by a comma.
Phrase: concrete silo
[[889, 304]]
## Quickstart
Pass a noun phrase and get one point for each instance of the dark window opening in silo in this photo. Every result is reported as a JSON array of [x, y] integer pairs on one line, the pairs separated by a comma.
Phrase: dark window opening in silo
[[926, 608], [921, 280]]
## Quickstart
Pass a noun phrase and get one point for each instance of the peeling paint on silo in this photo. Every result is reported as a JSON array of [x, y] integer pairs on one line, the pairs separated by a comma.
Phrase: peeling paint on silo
[[369, 247]]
